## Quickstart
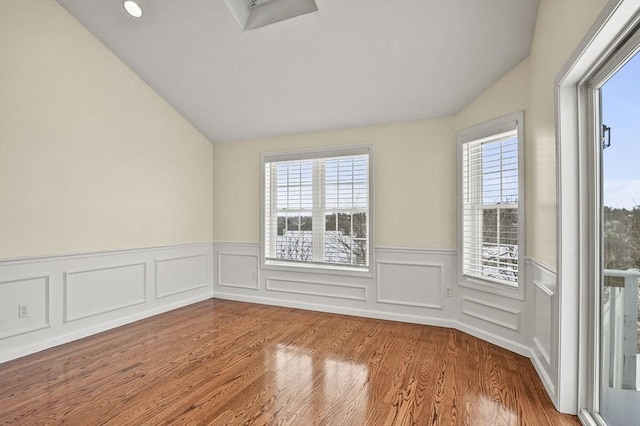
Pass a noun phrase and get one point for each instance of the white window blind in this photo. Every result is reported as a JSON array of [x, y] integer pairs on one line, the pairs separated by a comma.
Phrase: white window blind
[[490, 191], [317, 210]]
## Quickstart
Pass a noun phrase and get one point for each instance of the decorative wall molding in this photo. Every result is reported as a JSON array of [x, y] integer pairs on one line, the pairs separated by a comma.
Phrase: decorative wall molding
[[315, 288], [11, 261], [543, 287], [543, 373], [409, 286], [420, 285], [89, 292], [544, 324], [74, 296], [543, 350], [343, 310], [493, 337], [175, 275], [242, 262], [36, 288], [418, 251], [510, 321]]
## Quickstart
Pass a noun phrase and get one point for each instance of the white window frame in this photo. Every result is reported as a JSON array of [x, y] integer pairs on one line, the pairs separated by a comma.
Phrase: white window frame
[[577, 299], [312, 267], [501, 125]]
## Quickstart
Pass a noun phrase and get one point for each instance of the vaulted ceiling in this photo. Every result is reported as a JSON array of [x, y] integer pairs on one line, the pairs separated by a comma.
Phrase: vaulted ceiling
[[352, 63]]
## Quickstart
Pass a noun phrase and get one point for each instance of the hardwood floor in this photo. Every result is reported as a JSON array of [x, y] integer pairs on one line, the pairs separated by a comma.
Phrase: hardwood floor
[[229, 363]]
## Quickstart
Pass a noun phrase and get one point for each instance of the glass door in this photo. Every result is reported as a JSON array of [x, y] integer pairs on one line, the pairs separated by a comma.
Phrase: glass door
[[618, 203]]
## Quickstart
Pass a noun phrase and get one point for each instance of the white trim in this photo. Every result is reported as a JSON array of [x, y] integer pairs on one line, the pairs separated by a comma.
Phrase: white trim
[[544, 288], [590, 419], [237, 244], [219, 268], [47, 287], [575, 324], [547, 381], [142, 301], [496, 339], [414, 319], [513, 121], [322, 152], [182, 290], [542, 350], [516, 313], [538, 264], [379, 299], [448, 316], [313, 293], [67, 273], [98, 328], [316, 268], [319, 307], [414, 250], [80, 255]]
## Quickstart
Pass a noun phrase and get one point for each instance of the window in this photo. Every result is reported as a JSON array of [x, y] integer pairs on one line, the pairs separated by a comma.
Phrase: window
[[491, 196], [317, 208]]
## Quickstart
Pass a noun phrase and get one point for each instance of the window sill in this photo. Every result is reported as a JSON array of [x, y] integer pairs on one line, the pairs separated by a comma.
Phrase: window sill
[[505, 290], [302, 268]]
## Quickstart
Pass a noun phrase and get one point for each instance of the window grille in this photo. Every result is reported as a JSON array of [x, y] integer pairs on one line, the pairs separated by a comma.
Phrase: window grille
[[316, 210], [490, 192]]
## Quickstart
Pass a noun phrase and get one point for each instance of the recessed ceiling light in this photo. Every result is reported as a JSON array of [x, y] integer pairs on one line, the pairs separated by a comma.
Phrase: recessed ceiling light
[[132, 8]]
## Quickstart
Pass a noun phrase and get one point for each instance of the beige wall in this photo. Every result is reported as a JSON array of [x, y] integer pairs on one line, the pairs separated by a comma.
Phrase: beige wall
[[560, 26], [507, 95], [416, 162], [90, 157], [415, 182]]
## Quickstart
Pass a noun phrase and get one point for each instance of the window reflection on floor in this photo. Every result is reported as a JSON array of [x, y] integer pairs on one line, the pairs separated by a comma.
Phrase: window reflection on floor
[[298, 374]]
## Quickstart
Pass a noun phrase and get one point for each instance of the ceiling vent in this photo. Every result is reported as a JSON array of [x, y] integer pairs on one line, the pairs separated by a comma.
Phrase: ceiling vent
[[252, 14]]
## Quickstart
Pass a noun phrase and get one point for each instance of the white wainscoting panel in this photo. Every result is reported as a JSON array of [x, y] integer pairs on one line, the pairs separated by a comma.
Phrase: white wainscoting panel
[[238, 270], [30, 291], [77, 295], [317, 288], [410, 283], [74, 296], [90, 292], [406, 284], [542, 281], [180, 274], [490, 312], [543, 333]]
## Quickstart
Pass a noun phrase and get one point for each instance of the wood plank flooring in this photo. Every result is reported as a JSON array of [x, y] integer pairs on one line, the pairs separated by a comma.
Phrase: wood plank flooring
[[229, 363]]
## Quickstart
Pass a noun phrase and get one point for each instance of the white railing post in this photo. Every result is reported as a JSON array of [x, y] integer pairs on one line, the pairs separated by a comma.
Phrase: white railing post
[[630, 331], [622, 327]]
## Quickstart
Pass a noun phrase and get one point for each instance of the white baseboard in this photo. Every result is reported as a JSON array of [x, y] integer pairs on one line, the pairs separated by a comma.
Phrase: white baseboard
[[409, 286], [390, 316], [74, 296], [503, 342], [547, 382], [95, 329], [366, 313]]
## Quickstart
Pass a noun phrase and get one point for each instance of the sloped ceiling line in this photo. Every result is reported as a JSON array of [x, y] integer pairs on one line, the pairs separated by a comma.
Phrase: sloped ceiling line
[[352, 63]]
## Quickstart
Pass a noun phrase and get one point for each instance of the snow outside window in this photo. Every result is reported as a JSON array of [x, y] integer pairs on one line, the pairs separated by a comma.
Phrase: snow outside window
[[491, 195], [316, 208]]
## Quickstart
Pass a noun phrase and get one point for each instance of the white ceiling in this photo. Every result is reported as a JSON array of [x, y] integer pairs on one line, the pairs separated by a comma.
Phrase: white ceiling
[[353, 63]]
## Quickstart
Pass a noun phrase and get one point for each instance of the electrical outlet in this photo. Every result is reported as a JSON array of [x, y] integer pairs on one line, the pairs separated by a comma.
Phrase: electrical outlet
[[23, 311], [254, 275], [448, 291]]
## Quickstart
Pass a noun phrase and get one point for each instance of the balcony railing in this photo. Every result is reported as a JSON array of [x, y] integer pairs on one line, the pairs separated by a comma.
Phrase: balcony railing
[[620, 344]]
